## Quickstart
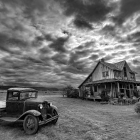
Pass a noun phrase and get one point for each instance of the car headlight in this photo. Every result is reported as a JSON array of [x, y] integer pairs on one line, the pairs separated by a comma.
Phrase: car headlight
[[50, 104], [40, 106]]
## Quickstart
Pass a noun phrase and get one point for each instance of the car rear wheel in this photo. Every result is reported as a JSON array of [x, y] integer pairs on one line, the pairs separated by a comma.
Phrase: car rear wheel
[[54, 114], [31, 124]]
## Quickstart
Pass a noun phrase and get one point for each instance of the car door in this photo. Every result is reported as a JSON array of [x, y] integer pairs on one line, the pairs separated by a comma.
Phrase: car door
[[14, 106], [12, 102]]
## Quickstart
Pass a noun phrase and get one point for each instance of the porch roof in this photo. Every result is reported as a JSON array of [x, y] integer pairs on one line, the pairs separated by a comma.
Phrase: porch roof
[[111, 81]]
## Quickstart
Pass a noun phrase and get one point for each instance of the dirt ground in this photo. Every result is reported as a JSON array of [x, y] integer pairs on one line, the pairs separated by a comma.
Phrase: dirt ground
[[82, 120]]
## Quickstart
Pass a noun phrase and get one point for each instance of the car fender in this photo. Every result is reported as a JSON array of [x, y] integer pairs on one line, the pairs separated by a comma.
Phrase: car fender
[[54, 107], [32, 112]]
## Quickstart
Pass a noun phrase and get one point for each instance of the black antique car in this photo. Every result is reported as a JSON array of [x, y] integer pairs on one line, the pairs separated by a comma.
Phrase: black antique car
[[22, 104]]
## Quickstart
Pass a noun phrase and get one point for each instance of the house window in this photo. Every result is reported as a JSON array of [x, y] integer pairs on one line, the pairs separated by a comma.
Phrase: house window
[[105, 73], [117, 74], [131, 86], [132, 76], [122, 90], [125, 72]]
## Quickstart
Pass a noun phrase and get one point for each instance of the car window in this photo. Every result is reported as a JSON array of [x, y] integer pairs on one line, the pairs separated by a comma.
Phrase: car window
[[13, 96], [25, 95]]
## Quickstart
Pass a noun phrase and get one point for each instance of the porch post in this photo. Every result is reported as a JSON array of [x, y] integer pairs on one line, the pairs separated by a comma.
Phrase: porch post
[[92, 89], [118, 87], [111, 91], [129, 90]]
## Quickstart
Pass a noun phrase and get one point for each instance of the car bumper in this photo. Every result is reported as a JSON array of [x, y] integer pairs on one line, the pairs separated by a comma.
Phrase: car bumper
[[48, 120]]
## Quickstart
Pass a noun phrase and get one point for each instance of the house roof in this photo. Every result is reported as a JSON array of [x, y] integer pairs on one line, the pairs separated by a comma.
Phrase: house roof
[[111, 66], [88, 76]]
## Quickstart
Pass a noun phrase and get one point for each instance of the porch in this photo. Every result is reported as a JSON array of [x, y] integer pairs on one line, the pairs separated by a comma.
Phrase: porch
[[113, 87]]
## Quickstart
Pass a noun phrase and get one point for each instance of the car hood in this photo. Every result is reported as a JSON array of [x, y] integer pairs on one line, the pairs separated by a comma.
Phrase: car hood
[[35, 100]]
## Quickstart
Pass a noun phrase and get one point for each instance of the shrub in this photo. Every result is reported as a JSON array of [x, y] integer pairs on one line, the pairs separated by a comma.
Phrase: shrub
[[136, 93], [104, 96], [70, 92], [85, 94], [74, 93], [137, 107]]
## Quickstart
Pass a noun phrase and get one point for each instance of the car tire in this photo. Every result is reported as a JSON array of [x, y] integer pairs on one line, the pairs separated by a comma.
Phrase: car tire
[[54, 113], [31, 124]]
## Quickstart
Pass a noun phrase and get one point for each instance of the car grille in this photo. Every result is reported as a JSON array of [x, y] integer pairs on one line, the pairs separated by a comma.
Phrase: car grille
[[44, 110]]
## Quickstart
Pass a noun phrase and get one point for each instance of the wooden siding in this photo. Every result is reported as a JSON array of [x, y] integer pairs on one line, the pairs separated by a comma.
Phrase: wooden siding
[[98, 73], [128, 73]]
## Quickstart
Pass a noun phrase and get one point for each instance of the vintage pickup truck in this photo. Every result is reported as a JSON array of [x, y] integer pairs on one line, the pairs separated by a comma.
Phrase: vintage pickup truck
[[23, 104]]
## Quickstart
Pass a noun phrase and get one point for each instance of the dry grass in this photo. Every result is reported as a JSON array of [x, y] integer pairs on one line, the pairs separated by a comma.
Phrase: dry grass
[[82, 120]]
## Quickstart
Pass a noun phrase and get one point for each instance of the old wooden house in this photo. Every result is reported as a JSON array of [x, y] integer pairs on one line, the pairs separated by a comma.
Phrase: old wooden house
[[115, 78]]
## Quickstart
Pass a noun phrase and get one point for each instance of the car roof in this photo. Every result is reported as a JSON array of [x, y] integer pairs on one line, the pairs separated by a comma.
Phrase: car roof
[[21, 89]]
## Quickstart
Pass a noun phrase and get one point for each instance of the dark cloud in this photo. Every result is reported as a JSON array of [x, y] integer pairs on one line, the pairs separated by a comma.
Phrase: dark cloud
[[8, 44], [109, 30], [44, 51], [135, 37], [128, 8], [37, 41], [48, 37], [73, 70], [119, 47], [94, 57], [82, 53], [88, 11], [32, 60], [131, 38], [133, 51], [119, 53], [137, 62], [58, 44], [108, 57], [75, 64], [30, 6], [86, 45], [60, 59], [81, 23]]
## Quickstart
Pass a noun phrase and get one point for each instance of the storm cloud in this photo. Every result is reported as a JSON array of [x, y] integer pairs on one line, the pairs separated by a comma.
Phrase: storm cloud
[[86, 12], [54, 43]]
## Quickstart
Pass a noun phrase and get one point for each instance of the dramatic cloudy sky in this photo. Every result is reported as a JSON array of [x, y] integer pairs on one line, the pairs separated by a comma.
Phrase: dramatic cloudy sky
[[58, 42]]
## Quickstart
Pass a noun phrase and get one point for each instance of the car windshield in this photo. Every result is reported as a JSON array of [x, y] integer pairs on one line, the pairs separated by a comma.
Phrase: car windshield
[[28, 94]]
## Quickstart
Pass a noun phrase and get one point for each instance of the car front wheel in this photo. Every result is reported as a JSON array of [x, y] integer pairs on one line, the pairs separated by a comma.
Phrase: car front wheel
[[31, 124], [54, 114]]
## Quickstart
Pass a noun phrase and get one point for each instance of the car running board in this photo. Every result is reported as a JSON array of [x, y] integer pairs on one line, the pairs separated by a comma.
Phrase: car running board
[[48, 120], [8, 119], [11, 119]]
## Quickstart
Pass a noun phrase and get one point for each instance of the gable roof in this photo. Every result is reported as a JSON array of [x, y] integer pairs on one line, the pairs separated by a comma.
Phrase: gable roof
[[120, 65], [88, 75], [111, 66]]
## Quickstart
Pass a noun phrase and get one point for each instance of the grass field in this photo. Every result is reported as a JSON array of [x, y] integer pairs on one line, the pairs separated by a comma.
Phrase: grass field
[[82, 120]]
